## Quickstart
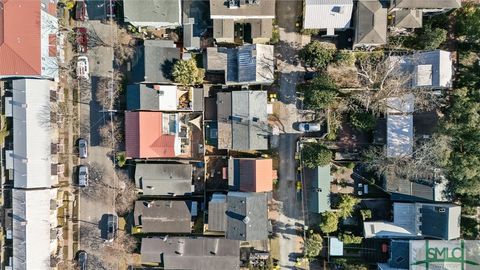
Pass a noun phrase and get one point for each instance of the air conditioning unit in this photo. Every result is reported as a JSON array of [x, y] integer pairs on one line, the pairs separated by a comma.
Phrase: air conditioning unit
[[441, 210]]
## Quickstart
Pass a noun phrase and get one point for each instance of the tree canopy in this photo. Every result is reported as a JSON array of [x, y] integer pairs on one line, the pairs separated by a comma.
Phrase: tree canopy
[[315, 155], [347, 205], [320, 93], [329, 222], [313, 245], [186, 72], [427, 38], [363, 121], [468, 22], [317, 54]]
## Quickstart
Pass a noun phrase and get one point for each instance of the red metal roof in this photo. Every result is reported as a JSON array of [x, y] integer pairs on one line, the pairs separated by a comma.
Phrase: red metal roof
[[144, 137], [20, 40], [256, 175]]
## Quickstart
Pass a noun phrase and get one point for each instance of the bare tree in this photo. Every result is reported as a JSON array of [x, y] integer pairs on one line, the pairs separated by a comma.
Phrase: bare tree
[[108, 90], [382, 77], [126, 195], [111, 134], [428, 156], [123, 53]]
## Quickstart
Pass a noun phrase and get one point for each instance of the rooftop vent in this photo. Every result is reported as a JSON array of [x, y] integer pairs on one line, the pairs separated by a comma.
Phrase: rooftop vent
[[246, 220]]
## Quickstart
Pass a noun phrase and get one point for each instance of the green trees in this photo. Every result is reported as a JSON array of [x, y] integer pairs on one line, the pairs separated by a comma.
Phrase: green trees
[[363, 121], [468, 22], [313, 245], [346, 206], [463, 126], [329, 222], [428, 38], [186, 72], [320, 93], [317, 54], [315, 154]]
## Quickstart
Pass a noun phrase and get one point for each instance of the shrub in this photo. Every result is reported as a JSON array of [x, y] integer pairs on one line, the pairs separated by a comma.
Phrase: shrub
[[320, 93], [121, 159], [315, 155], [329, 222], [349, 238], [345, 57], [186, 72], [347, 205], [317, 54], [350, 165], [313, 245], [366, 214], [363, 121]]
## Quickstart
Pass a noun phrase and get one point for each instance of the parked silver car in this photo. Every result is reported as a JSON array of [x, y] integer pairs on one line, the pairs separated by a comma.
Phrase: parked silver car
[[82, 148], [83, 176]]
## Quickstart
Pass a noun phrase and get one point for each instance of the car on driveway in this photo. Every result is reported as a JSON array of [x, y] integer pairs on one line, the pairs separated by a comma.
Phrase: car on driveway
[[309, 127], [112, 225], [82, 148], [83, 176], [83, 70], [82, 260]]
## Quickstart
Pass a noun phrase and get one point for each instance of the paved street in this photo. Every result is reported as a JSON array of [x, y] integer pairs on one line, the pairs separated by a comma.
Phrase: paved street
[[94, 204]]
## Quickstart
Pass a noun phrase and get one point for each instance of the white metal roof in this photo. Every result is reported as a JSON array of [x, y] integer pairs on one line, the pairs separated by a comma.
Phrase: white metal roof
[[31, 133], [31, 229], [167, 97], [399, 135], [327, 14], [336, 247], [265, 63], [382, 229]]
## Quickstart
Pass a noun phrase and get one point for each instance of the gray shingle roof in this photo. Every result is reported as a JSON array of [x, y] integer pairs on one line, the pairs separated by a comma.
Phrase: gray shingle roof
[[438, 223], [370, 23], [223, 29], [247, 216], [216, 213], [163, 216], [242, 127], [192, 253], [141, 97], [164, 179], [408, 18], [153, 62], [433, 4], [152, 12], [189, 40]]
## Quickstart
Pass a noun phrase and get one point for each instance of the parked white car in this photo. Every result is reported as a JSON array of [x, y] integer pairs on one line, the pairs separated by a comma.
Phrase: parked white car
[[83, 70], [309, 127]]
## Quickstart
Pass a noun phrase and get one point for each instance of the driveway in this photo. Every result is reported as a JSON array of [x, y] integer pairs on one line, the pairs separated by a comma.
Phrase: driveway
[[290, 201]]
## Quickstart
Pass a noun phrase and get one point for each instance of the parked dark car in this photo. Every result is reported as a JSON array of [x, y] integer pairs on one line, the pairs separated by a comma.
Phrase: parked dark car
[[112, 225], [82, 260], [81, 34]]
